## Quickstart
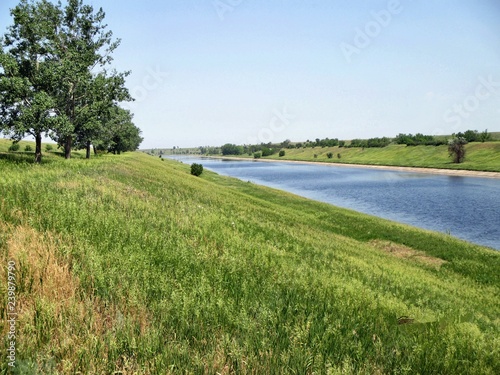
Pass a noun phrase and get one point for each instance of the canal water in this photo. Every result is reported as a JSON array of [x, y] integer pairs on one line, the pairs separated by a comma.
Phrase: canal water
[[465, 207]]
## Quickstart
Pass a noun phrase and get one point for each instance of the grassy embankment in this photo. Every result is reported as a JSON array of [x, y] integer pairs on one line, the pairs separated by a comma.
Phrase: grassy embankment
[[479, 156], [128, 263]]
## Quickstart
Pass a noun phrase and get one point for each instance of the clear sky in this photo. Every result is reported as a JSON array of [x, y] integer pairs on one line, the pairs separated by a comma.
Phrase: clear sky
[[208, 72]]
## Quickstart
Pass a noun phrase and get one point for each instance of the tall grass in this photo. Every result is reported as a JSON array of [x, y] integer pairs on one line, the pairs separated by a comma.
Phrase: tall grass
[[131, 264]]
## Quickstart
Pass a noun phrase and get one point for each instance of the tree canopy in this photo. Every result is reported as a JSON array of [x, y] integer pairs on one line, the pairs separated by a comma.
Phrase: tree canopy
[[54, 81]]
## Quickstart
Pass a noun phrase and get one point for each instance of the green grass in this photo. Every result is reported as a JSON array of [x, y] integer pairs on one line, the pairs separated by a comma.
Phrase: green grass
[[479, 156], [128, 263]]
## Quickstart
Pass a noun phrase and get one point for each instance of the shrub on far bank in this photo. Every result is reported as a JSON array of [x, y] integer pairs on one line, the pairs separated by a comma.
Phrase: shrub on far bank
[[282, 153], [257, 155], [196, 169], [28, 148], [330, 155]]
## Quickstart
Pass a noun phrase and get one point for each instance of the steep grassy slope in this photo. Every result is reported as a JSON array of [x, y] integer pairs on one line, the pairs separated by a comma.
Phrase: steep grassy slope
[[479, 156], [131, 264]]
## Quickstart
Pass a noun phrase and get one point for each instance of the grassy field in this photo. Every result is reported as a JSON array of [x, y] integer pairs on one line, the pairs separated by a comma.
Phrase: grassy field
[[128, 263], [479, 156]]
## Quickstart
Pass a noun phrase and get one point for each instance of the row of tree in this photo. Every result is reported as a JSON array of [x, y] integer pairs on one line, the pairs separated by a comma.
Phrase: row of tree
[[54, 80]]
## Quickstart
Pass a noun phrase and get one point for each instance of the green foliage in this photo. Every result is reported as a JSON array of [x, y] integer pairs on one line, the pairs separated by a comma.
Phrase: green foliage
[[268, 151], [28, 148], [281, 153], [329, 155], [196, 169], [231, 149], [14, 147], [53, 79], [49, 148], [484, 136], [456, 148], [231, 277], [371, 142], [257, 155]]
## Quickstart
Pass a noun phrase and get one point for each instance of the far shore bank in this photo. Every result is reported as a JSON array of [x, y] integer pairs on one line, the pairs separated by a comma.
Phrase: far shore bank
[[446, 172]]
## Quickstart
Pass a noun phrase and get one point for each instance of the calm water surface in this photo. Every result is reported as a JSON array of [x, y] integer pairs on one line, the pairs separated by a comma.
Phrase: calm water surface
[[465, 207]]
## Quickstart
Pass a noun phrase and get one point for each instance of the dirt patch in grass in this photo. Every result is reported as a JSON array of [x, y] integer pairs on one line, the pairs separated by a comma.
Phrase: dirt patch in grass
[[405, 252]]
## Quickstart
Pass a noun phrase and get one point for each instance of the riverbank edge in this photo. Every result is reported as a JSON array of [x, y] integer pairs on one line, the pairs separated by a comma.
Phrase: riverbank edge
[[439, 171]]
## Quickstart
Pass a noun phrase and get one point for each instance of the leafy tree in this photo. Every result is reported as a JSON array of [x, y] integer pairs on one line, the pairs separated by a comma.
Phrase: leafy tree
[[119, 133], [81, 45], [456, 148], [231, 149], [471, 135], [103, 94], [25, 105], [484, 136], [49, 74]]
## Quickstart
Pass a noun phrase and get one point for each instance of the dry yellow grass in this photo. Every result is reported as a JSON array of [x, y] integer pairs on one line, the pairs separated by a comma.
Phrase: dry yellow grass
[[405, 252], [48, 292]]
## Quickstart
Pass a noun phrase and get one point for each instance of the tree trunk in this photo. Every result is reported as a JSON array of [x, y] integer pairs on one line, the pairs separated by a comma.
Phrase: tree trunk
[[67, 147], [38, 148], [95, 150], [88, 150]]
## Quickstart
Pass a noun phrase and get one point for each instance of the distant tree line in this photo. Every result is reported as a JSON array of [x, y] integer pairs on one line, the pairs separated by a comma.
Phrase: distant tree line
[[267, 149], [54, 81]]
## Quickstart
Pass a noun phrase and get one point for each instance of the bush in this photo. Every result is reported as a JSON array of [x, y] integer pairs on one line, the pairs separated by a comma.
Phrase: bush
[[315, 155], [28, 148], [456, 148], [196, 169], [14, 147], [338, 155], [48, 148], [330, 155], [282, 153], [257, 155]]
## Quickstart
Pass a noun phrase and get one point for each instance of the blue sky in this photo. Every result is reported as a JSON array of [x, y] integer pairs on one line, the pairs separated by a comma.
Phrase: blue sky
[[208, 72]]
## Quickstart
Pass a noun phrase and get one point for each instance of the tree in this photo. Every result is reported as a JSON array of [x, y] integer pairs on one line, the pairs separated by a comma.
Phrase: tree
[[103, 94], [231, 149], [456, 148], [25, 105], [52, 77], [81, 45], [484, 136], [119, 132]]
